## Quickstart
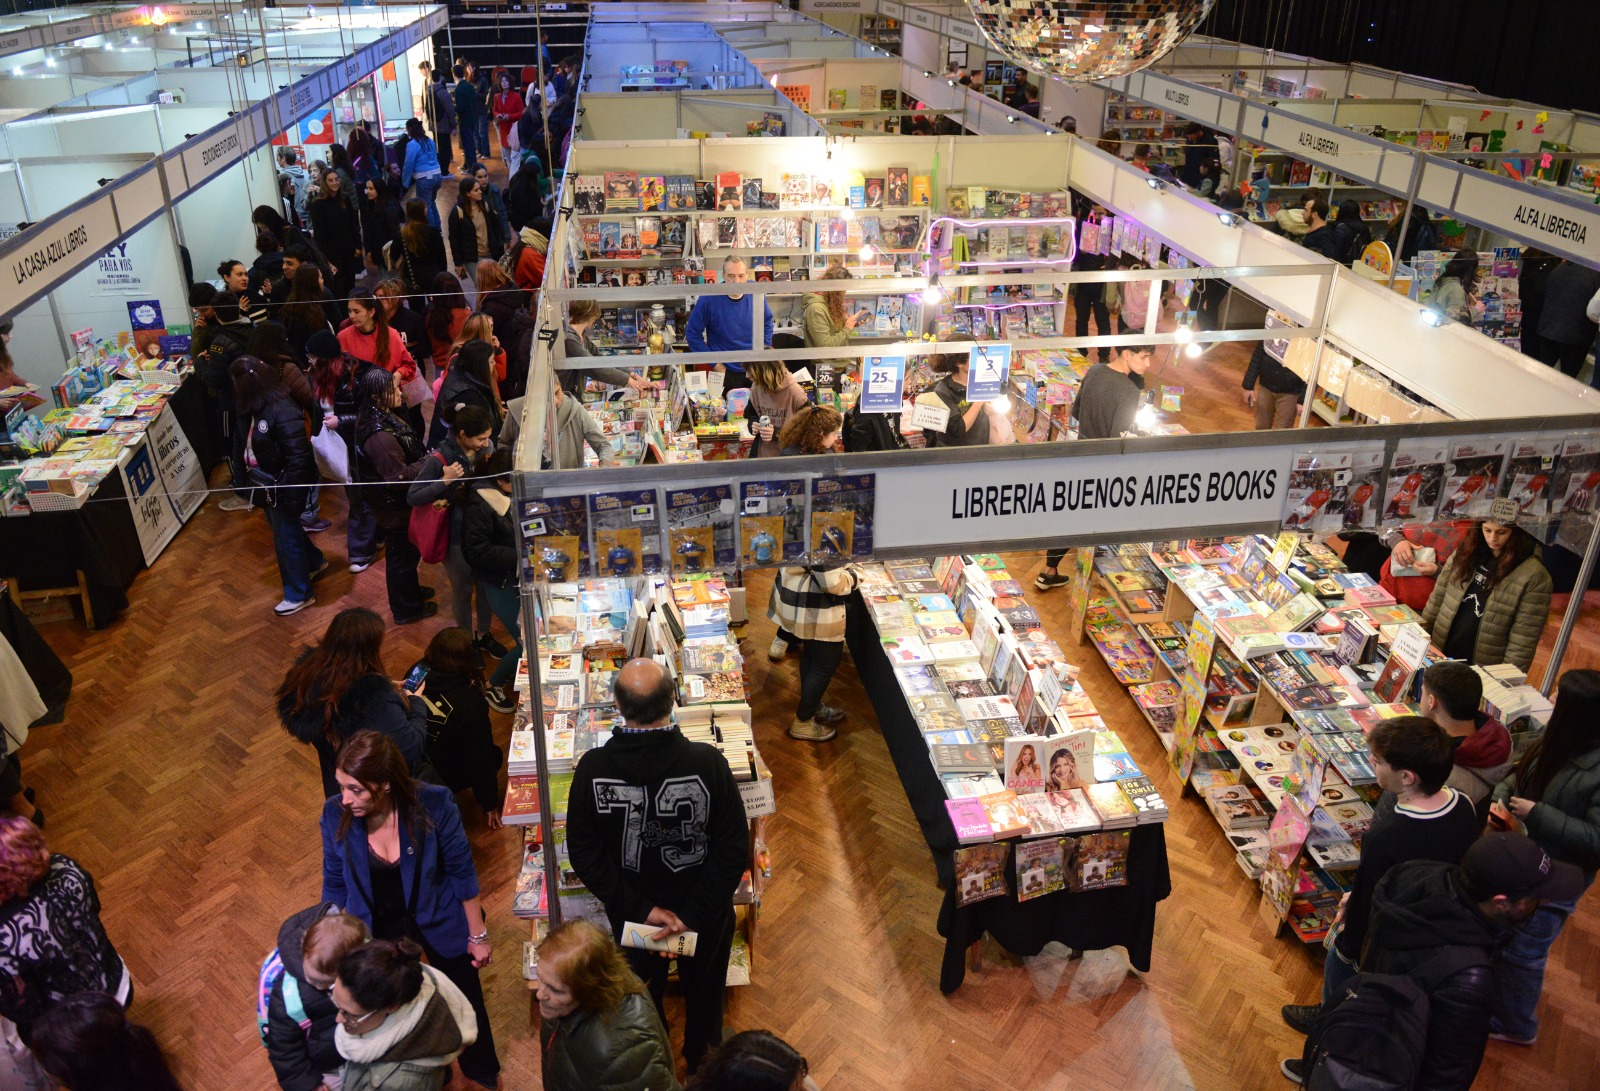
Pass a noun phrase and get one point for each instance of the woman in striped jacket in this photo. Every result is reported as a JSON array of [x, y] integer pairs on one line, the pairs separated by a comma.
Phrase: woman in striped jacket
[[809, 606]]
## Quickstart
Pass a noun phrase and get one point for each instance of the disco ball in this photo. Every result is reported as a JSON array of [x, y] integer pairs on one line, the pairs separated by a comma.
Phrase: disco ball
[[1085, 40]]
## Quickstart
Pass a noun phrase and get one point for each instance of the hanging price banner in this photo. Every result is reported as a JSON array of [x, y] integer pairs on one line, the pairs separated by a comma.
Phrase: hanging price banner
[[884, 385], [987, 372]]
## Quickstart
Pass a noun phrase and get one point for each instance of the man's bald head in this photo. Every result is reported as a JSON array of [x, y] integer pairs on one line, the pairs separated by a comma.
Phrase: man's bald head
[[644, 693]]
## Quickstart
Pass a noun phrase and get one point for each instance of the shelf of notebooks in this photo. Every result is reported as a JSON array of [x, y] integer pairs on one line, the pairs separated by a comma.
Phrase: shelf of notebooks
[[587, 630], [1020, 747]]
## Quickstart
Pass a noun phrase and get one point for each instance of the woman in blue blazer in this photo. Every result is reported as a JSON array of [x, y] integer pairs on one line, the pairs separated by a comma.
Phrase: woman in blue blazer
[[395, 855]]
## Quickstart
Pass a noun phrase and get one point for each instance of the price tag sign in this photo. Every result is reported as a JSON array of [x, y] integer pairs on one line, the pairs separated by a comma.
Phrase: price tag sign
[[1411, 645], [988, 371], [885, 378], [935, 418]]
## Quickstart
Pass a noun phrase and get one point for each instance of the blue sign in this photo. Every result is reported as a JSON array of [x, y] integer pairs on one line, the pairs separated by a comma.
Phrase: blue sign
[[987, 372], [883, 388]]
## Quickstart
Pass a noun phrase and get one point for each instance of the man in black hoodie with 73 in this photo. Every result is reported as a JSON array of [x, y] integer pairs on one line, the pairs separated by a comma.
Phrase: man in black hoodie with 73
[[657, 831], [1423, 910]]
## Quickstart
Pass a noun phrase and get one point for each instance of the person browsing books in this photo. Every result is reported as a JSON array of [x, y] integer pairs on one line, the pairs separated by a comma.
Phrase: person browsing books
[[682, 878], [1108, 398], [1451, 694], [722, 323], [1417, 818], [1493, 599], [810, 606]]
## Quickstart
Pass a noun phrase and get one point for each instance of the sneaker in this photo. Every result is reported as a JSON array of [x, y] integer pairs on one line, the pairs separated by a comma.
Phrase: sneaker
[[826, 714], [778, 649], [1513, 1039], [501, 699], [427, 609], [1294, 1068], [234, 503], [488, 645], [316, 526], [1301, 1016], [362, 564], [321, 568], [811, 731], [285, 608], [1047, 581]]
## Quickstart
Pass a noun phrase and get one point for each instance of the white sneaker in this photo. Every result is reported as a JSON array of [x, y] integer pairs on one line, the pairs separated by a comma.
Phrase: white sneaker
[[778, 649], [235, 503], [811, 731], [285, 608]]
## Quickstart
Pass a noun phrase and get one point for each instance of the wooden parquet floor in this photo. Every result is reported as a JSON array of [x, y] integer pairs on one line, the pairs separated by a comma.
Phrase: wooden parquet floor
[[174, 785]]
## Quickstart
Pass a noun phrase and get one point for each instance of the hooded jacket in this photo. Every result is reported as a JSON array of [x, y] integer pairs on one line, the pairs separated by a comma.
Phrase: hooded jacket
[[575, 426], [1266, 370], [488, 536], [412, 1049], [372, 703], [629, 1051], [300, 1057], [1513, 618], [1482, 760], [699, 838], [1421, 909], [460, 389]]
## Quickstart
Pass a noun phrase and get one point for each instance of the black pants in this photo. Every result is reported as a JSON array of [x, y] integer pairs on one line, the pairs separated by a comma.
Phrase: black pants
[[233, 427], [734, 380], [1052, 559], [400, 573], [705, 983], [479, 1060], [1083, 304], [1559, 354], [819, 659]]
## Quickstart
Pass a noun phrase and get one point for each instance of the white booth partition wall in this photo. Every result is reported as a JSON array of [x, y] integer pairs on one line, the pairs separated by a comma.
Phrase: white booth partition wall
[[833, 86], [654, 115], [612, 48]]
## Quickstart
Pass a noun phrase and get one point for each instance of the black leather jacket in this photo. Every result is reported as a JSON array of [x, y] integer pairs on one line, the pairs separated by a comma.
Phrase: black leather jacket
[[278, 440]]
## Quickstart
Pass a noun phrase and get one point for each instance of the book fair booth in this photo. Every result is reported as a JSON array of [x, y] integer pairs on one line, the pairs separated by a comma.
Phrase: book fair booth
[[1197, 566], [125, 200]]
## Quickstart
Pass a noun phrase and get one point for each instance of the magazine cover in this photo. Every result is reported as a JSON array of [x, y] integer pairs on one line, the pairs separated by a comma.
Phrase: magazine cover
[[781, 500], [589, 194], [627, 532], [1365, 491], [710, 507], [556, 531], [1529, 481], [1024, 767], [842, 512], [980, 873], [1041, 867], [1416, 477], [1318, 484], [1472, 477], [1577, 480], [622, 191], [1096, 861]]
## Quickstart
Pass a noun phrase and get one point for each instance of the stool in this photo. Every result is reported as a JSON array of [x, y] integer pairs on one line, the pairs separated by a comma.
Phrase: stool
[[81, 589]]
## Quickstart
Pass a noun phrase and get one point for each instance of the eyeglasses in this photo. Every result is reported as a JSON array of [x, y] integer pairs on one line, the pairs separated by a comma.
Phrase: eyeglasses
[[351, 1019]]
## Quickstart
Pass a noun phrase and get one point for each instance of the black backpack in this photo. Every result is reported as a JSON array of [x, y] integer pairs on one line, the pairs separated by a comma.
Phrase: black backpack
[[1375, 1038]]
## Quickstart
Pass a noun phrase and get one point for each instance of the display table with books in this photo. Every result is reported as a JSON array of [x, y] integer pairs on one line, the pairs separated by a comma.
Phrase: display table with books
[[1084, 863]]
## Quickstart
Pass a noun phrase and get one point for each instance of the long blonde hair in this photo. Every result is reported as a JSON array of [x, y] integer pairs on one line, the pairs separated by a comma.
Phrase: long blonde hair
[[770, 375], [835, 300], [476, 327], [591, 965]]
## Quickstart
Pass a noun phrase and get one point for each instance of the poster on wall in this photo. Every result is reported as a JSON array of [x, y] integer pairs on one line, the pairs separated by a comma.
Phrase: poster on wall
[[116, 272], [154, 519]]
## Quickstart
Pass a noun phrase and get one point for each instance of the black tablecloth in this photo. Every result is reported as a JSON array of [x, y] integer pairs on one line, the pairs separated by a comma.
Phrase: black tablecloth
[[43, 665], [188, 404], [1089, 921]]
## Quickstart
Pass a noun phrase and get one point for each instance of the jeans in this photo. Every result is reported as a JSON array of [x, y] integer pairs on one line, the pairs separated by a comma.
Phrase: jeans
[[1519, 970], [469, 149], [297, 557], [818, 660], [428, 194], [1336, 974], [400, 574], [705, 984], [313, 499], [483, 135], [462, 583], [361, 526], [507, 605]]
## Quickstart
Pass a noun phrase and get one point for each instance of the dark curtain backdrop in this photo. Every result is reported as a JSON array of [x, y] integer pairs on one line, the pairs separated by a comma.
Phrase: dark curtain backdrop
[[1541, 51]]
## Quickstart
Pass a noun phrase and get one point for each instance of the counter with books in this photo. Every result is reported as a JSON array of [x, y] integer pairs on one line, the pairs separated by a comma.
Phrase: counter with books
[[1041, 826], [588, 630]]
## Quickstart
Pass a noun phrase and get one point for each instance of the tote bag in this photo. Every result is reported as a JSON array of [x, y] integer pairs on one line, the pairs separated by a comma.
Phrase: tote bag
[[429, 529], [333, 457]]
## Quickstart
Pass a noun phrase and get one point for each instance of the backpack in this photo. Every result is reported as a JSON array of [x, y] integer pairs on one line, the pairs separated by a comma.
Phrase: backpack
[[271, 972], [1375, 1038]]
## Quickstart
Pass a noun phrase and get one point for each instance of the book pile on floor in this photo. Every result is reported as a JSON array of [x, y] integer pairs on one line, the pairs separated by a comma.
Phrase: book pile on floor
[[1020, 748]]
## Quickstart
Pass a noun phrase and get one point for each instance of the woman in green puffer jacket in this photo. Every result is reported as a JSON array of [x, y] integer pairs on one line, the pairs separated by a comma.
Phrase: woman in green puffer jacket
[[1492, 601], [598, 1027], [827, 324]]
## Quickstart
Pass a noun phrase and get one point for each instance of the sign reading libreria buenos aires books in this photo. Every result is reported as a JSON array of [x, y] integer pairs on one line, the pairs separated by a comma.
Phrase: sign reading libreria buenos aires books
[[1140, 494]]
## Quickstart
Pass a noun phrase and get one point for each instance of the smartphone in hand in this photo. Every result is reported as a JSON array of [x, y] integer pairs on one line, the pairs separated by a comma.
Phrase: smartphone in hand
[[414, 678]]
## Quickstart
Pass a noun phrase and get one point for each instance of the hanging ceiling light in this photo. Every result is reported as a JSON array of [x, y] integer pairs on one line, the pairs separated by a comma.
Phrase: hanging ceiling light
[[1080, 40]]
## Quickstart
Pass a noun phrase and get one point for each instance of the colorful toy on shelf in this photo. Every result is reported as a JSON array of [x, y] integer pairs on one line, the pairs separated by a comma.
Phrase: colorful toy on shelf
[[620, 561], [555, 562], [831, 543], [763, 547], [693, 554]]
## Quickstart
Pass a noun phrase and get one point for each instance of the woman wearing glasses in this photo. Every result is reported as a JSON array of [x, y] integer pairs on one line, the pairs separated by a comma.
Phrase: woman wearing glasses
[[394, 854], [400, 1023]]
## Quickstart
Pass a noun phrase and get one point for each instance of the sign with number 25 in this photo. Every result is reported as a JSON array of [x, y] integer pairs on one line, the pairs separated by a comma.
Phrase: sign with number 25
[[886, 376]]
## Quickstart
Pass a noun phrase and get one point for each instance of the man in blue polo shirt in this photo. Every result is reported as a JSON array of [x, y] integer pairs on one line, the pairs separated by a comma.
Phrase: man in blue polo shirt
[[721, 323]]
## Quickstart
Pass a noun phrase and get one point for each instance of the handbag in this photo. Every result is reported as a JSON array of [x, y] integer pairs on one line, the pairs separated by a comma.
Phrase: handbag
[[264, 484], [429, 529]]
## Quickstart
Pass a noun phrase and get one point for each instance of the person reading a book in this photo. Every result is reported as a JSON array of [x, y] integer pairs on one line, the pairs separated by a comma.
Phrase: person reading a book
[[1417, 818], [1451, 694], [1493, 599], [596, 1023], [683, 877], [723, 323]]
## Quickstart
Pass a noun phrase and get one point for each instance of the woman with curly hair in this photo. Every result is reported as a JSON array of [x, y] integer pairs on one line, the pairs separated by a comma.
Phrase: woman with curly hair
[[812, 431], [825, 321], [52, 943], [597, 1024]]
